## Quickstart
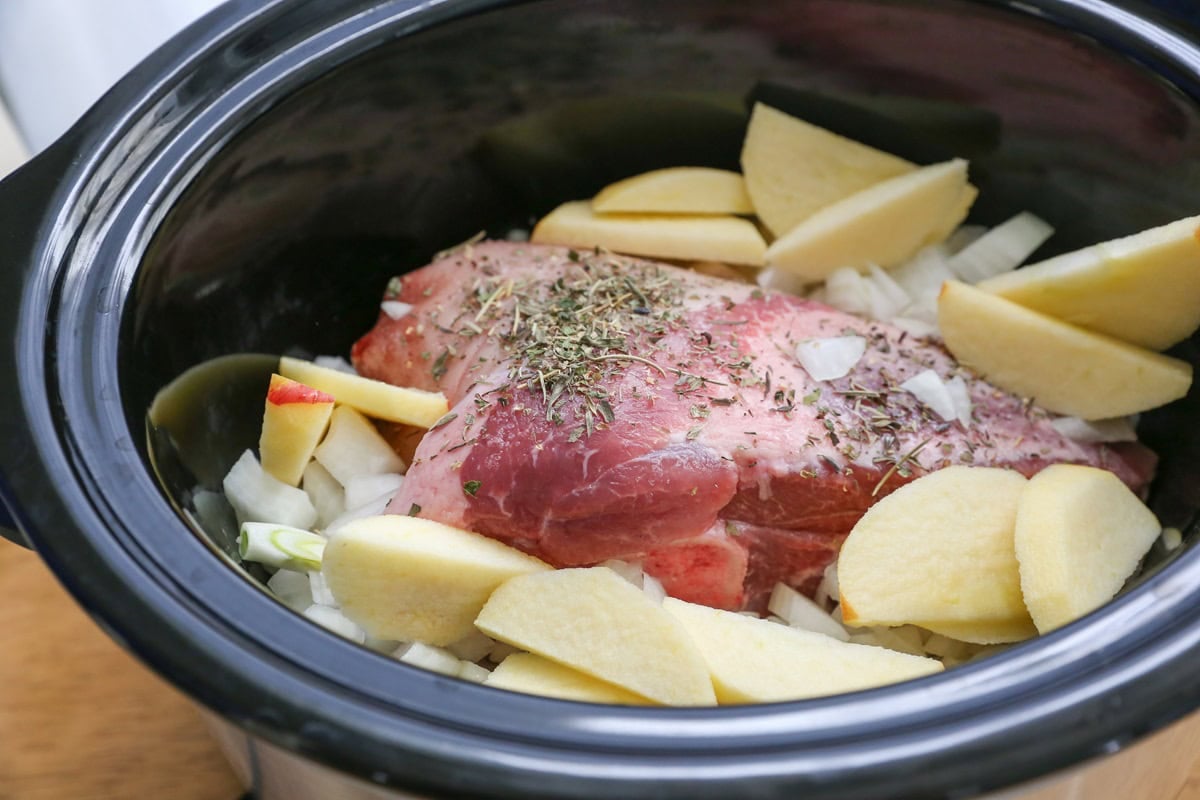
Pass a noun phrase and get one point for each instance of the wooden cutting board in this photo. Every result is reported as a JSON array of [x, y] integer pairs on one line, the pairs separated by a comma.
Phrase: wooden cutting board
[[82, 720]]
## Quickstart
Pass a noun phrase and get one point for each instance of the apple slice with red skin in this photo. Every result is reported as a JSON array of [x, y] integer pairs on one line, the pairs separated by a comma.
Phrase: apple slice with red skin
[[294, 421]]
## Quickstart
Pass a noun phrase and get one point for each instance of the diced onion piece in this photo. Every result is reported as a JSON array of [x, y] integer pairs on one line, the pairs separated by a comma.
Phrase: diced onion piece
[[280, 546], [780, 280], [293, 589], [846, 290], [1117, 429], [353, 447], [326, 494], [434, 659], [334, 620], [258, 497], [931, 390], [320, 590], [827, 359], [922, 275], [1001, 249], [470, 671], [395, 309], [961, 396], [384, 646], [472, 647], [653, 589], [886, 297], [963, 236], [917, 328], [371, 508], [362, 489], [630, 571], [800, 612]]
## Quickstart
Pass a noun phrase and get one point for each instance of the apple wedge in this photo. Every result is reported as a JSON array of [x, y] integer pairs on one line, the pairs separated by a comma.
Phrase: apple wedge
[[719, 238], [373, 398], [938, 553], [532, 674], [1061, 367], [676, 190], [884, 224], [294, 420], [793, 168], [597, 622], [413, 579], [1143, 289], [752, 660], [1080, 534]]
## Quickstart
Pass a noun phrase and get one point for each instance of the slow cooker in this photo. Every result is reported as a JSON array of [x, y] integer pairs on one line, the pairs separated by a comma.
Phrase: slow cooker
[[250, 188]]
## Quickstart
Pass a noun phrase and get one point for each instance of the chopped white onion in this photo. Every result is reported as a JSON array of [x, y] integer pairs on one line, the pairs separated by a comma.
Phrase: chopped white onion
[[353, 447], [780, 280], [470, 671], [800, 612], [917, 328], [326, 494], [653, 589], [630, 571], [960, 395], [395, 309], [320, 590], [473, 647], [922, 275], [334, 620], [292, 589], [827, 359], [846, 290], [257, 496], [931, 390], [434, 659], [827, 589], [963, 235], [1172, 538], [1001, 249], [362, 489], [372, 508], [1117, 429], [886, 297]]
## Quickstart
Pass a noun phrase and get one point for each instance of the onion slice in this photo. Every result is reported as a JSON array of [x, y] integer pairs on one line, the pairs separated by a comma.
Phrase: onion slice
[[950, 401], [1117, 429], [827, 359], [1001, 249], [799, 612]]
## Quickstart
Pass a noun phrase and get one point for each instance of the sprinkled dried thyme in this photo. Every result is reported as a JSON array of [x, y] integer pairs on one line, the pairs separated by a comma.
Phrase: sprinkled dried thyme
[[471, 487]]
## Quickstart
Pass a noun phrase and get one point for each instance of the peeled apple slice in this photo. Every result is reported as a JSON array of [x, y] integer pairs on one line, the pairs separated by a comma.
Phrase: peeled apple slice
[[884, 224], [732, 240], [1143, 289], [374, 398], [1063, 368], [1080, 534], [938, 552], [676, 190], [793, 168], [412, 579], [755, 661], [532, 674], [595, 621]]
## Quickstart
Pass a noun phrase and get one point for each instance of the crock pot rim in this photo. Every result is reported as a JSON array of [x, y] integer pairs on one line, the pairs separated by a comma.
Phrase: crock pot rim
[[199, 643]]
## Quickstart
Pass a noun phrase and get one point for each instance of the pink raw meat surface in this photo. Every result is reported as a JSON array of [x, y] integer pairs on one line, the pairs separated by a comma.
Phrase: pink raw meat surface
[[605, 407]]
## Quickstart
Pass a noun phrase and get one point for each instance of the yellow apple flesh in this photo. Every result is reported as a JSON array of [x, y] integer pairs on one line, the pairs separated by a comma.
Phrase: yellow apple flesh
[[532, 674], [884, 224], [374, 398], [412, 579], [938, 553], [294, 420], [1080, 534], [1061, 367], [715, 238], [595, 621], [676, 190], [1143, 289], [752, 660], [793, 168]]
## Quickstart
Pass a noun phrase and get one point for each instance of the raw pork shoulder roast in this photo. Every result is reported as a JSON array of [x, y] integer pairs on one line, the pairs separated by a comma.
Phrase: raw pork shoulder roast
[[605, 407]]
